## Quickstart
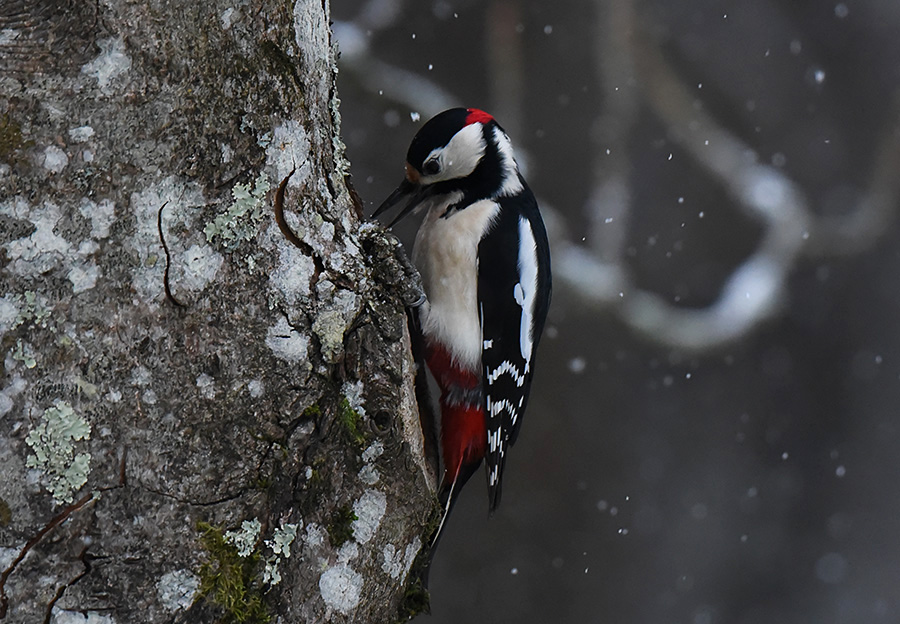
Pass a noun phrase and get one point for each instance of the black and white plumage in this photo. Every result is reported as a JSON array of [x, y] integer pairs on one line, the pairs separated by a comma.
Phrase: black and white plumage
[[514, 262], [483, 254]]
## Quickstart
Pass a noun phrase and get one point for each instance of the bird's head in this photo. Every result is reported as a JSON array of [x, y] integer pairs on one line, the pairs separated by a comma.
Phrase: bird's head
[[460, 150]]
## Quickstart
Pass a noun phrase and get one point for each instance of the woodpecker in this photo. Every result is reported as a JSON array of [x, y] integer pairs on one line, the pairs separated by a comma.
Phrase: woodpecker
[[483, 254]]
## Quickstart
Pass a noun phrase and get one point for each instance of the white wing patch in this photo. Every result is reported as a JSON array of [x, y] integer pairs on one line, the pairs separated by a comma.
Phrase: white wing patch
[[526, 290]]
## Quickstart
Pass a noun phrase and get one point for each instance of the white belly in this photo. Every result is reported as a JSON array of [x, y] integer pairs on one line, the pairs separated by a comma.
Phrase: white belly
[[446, 254]]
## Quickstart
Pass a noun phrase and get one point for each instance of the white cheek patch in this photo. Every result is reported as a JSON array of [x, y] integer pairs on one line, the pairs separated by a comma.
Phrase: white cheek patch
[[460, 156]]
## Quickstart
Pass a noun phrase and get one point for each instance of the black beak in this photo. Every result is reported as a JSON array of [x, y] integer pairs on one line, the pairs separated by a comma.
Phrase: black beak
[[407, 194]]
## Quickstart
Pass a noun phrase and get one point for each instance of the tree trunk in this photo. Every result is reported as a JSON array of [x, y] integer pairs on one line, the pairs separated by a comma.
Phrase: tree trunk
[[205, 416]]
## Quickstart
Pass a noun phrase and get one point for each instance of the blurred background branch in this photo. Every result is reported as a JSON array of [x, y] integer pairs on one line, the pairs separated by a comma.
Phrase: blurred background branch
[[632, 72]]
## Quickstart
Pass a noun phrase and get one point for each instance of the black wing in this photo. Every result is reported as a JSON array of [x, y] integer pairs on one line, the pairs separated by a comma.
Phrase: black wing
[[513, 296]]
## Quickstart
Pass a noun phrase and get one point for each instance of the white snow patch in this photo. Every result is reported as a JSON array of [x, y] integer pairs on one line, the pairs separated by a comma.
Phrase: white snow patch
[[80, 134], [286, 342], [61, 616], [348, 552], [207, 386], [292, 275], [201, 263], [111, 63], [8, 35], [396, 562], [140, 376], [87, 247], [288, 150], [175, 590], [16, 386], [341, 585], [256, 388], [315, 536], [101, 215], [8, 555], [43, 250], [6, 403], [229, 16], [55, 159], [83, 276], [369, 475], [375, 450], [354, 393], [9, 314], [369, 510]]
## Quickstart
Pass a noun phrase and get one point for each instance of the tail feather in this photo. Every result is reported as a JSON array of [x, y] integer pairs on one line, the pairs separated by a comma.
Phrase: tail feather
[[447, 495], [495, 463], [494, 492]]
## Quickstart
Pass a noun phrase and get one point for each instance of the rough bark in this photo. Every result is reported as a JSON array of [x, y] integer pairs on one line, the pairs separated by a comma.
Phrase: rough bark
[[167, 458]]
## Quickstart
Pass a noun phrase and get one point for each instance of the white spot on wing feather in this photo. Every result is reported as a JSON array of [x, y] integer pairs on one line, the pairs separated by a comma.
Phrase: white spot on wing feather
[[494, 439], [506, 367], [526, 289]]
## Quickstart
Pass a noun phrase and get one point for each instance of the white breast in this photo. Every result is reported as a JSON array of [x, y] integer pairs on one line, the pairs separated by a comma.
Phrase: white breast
[[446, 254]]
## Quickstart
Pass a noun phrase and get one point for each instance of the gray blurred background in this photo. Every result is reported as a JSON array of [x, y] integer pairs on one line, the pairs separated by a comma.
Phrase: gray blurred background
[[714, 431]]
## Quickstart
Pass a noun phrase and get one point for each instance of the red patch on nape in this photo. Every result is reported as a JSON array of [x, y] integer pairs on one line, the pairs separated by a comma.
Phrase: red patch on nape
[[476, 115]]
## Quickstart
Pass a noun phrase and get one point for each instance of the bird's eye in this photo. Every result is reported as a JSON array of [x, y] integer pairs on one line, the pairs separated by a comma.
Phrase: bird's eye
[[431, 167]]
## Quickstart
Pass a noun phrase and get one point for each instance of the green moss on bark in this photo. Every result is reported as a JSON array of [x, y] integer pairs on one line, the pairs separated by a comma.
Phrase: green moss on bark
[[228, 580], [351, 423], [340, 529], [11, 139]]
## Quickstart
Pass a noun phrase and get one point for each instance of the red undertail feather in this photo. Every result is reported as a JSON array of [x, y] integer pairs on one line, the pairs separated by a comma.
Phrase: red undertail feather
[[463, 439], [463, 431]]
